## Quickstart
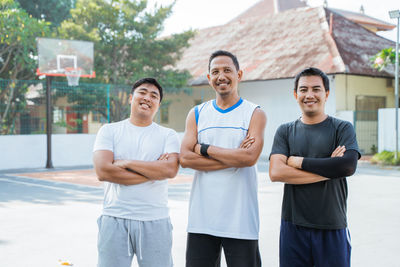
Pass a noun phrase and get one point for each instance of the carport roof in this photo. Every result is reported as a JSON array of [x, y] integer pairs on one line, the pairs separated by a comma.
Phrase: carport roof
[[276, 46]]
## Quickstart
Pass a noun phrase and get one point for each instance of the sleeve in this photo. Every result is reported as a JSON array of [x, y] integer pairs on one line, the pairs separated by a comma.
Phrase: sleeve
[[281, 145], [346, 136], [172, 144], [104, 139], [336, 167]]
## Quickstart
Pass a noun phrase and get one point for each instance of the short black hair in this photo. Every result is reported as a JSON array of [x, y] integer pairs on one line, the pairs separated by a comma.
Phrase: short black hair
[[312, 72], [224, 53], [149, 81]]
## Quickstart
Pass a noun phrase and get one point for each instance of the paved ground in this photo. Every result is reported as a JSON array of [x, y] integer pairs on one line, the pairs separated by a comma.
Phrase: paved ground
[[47, 216]]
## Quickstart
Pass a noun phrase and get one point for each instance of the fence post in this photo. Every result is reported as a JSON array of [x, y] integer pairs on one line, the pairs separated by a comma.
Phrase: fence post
[[108, 103]]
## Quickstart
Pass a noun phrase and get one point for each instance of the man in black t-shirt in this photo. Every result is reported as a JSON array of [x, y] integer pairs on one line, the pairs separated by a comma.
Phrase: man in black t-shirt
[[313, 156]]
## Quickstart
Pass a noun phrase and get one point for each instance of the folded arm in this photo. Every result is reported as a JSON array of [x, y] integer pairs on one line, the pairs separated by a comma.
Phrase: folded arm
[[188, 158], [243, 156], [279, 171], [107, 171], [165, 167], [341, 164]]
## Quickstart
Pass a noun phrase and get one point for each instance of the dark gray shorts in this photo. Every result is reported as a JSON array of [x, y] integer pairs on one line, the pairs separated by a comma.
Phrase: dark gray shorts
[[120, 239]]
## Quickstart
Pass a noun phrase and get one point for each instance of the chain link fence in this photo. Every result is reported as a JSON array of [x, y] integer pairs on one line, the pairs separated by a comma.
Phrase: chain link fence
[[78, 109]]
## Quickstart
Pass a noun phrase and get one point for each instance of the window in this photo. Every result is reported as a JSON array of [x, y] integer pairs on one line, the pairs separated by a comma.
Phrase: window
[[164, 113], [367, 107]]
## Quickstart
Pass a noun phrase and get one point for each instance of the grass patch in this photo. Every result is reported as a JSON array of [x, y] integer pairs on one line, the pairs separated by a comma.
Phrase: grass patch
[[386, 158]]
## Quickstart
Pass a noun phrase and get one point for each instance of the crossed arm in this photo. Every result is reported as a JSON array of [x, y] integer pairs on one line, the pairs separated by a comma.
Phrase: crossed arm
[[221, 158], [288, 170], [131, 172]]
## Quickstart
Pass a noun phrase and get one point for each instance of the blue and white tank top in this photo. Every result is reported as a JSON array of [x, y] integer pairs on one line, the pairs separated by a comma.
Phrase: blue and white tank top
[[224, 203]]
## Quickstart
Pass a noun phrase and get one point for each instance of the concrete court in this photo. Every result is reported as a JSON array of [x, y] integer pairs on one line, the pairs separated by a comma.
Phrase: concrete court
[[42, 221]]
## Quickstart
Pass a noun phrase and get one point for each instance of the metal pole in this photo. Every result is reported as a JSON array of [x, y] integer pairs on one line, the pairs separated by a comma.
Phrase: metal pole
[[396, 94], [49, 164], [108, 104]]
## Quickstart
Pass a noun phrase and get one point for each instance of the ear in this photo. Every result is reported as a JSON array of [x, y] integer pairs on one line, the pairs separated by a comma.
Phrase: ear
[[130, 98], [209, 80], [295, 94], [240, 75], [327, 94]]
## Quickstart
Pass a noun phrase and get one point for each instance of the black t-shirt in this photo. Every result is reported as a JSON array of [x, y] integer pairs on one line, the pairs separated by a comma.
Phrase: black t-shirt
[[319, 205]]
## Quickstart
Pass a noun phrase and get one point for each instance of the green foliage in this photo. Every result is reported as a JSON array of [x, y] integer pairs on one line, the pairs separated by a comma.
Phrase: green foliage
[[383, 58], [127, 46], [386, 158], [17, 58], [54, 11], [18, 41]]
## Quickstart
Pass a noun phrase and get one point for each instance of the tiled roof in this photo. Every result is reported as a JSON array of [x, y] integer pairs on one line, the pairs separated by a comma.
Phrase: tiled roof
[[363, 19], [357, 45], [280, 45]]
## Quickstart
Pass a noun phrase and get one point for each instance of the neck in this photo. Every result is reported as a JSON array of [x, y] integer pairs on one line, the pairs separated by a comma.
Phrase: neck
[[313, 119], [227, 101], [141, 122]]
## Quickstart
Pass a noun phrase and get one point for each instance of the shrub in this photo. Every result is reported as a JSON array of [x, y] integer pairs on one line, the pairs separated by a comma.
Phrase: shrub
[[386, 158]]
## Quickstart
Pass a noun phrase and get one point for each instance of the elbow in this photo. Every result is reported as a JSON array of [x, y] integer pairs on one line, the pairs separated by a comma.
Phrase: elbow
[[274, 175], [248, 160], [172, 172], [183, 161]]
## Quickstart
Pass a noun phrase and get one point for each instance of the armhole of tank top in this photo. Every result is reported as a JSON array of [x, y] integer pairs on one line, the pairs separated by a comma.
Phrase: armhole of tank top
[[196, 114]]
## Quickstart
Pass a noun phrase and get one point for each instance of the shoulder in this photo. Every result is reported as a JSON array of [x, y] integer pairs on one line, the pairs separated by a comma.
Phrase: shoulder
[[248, 104], [340, 124], [113, 126], [164, 130]]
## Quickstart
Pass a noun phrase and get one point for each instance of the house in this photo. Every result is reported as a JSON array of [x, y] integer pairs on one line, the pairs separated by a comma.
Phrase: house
[[273, 42]]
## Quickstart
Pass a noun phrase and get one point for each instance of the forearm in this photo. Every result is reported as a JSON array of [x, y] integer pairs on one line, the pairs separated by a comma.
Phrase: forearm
[[192, 160], [334, 167], [280, 172], [153, 170], [238, 157], [115, 174]]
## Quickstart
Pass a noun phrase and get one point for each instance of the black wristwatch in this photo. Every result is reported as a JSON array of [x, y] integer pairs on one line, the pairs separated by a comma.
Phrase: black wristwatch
[[203, 150]]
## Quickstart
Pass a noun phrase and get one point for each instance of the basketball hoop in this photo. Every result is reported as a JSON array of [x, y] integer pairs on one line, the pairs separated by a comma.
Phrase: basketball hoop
[[73, 75]]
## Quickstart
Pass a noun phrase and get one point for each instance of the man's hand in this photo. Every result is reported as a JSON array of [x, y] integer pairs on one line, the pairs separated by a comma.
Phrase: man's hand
[[247, 142], [295, 162], [163, 157], [339, 152], [120, 163]]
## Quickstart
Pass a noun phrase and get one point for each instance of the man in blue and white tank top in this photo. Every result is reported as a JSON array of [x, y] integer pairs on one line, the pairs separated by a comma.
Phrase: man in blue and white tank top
[[222, 142]]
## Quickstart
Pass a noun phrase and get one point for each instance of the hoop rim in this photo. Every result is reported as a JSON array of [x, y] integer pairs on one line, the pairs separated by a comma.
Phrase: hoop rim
[[38, 73]]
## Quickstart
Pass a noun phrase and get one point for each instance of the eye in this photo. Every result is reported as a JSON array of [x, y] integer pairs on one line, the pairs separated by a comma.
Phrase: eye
[[228, 70]]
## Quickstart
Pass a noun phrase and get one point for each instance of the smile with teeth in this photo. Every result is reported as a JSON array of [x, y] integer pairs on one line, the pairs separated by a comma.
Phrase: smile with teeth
[[145, 105]]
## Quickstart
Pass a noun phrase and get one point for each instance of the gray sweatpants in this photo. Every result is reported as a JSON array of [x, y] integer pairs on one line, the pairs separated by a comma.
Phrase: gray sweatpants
[[119, 239]]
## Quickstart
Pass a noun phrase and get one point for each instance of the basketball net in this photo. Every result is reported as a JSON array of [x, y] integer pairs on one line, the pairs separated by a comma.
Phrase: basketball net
[[73, 75]]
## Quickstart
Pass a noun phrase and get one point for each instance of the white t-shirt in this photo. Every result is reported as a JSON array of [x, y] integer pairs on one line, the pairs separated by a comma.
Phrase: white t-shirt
[[224, 202], [146, 201]]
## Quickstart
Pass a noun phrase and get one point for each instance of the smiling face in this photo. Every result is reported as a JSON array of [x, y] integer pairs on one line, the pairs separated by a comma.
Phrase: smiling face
[[145, 101], [223, 76], [311, 97]]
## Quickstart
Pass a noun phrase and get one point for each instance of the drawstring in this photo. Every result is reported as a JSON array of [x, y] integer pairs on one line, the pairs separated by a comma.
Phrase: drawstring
[[129, 236], [140, 240]]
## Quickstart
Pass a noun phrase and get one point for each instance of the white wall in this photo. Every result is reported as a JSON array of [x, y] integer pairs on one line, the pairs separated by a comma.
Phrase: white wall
[[30, 151], [276, 98], [387, 129]]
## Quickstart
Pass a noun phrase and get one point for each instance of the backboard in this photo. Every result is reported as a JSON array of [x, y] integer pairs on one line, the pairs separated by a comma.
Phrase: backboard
[[57, 57]]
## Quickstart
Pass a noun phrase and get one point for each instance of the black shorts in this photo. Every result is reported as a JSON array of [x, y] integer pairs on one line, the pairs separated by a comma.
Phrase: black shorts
[[205, 251]]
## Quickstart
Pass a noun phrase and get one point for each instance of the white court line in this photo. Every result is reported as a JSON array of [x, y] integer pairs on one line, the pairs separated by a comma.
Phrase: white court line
[[50, 187]]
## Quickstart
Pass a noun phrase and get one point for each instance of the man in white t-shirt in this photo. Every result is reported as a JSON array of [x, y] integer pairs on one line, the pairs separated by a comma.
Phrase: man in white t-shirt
[[222, 142], [133, 158]]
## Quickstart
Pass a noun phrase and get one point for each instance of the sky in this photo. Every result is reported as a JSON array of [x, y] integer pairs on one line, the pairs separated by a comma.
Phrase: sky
[[199, 14]]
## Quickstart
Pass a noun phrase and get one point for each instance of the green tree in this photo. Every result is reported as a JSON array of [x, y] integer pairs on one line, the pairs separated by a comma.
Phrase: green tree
[[54, 11], [17, 58], [384, 57], [127, 45]]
